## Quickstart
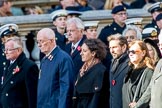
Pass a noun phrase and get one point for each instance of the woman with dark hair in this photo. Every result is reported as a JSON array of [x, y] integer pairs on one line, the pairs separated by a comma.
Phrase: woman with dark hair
[[91, 87], [139, 74]]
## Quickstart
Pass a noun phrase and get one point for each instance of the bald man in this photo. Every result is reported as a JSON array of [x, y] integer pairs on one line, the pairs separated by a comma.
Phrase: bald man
[[55, 84]]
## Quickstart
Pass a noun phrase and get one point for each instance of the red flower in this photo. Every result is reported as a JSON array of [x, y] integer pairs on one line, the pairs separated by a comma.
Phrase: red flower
[[79, 48], [16, 70], [113, 82]]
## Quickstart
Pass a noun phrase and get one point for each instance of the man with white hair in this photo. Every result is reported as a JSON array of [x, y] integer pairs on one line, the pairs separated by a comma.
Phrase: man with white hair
[[75, 33], [55, 86], [19, 80]]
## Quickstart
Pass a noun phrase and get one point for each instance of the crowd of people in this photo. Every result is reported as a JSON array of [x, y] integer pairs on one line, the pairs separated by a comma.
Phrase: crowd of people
[[120, 67]]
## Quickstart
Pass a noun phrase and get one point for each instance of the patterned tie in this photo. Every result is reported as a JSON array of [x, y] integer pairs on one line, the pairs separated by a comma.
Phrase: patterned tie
[[72, 49]]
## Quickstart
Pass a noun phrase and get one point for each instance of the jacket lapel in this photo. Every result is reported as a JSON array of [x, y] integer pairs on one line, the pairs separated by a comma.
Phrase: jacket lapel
[[158, 70], [78, 48], [9, 74], [121, 68]]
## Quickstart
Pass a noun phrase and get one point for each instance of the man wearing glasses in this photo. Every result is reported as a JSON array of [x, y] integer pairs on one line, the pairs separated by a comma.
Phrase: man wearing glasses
[[76, 37], [6, 31], [55, 86], [19, 80], [119, 15]]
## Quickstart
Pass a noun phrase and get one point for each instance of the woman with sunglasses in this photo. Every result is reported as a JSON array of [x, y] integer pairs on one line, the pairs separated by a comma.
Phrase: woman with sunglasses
[[139, 74]]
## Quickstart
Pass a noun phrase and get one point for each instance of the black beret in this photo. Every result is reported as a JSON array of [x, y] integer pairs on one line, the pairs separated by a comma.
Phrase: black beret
[[118, 8], [73, 10], [159, 17]]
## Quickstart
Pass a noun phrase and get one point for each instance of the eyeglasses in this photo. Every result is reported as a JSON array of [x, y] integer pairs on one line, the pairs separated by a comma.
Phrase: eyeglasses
[[9, 50], [42, 41], [134, 51], [130, 37], [121, 14], [72, 30]]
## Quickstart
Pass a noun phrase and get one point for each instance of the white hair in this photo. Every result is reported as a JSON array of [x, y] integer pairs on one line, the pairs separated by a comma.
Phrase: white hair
[[77, 21], [17, 41], [133, 27]]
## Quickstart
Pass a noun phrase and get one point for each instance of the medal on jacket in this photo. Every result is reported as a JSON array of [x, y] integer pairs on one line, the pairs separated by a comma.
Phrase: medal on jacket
[[50, 57], [113, 82]]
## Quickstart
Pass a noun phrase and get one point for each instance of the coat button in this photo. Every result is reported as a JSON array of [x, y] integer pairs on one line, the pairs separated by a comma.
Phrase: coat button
[[4, 63], [11, 82], [6, 94], [96, 88], [4, 68]]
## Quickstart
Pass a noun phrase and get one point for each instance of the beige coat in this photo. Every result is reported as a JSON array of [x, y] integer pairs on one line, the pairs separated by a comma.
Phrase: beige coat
[[154, 90]]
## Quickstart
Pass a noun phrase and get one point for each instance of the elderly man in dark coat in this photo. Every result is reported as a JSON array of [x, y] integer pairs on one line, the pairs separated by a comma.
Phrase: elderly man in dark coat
[[19, 80], [75, 33], [55, 86]]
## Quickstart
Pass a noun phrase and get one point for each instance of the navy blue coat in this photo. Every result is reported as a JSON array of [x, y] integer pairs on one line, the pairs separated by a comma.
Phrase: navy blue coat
[[116, 81], [55, 86], [110, 30], [60, 39], [19, 90], [76, 57]]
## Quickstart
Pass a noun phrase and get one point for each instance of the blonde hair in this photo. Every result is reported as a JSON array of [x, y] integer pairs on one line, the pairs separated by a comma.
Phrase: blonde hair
[[156, 57], [108, 4]]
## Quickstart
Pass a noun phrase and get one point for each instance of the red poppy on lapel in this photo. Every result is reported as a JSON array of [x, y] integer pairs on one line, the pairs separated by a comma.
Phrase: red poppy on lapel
[[16, 70], [113, 82], [79, 48]]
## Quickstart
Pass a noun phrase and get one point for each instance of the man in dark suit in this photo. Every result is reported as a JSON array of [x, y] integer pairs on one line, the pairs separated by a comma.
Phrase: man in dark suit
[[119, 15], [75, 33], [6, 31], [19, 80], [56, 79], [119, 67]]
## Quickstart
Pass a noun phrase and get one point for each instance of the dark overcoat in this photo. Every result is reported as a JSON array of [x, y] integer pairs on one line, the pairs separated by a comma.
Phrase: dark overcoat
[[76, 57], [116, 81], [55, 86], [19, 87], [60, 39], [108, 30], [91, 90]]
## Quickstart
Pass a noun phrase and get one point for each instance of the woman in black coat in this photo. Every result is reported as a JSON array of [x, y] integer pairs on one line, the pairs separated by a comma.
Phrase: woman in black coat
[[91, 87]]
